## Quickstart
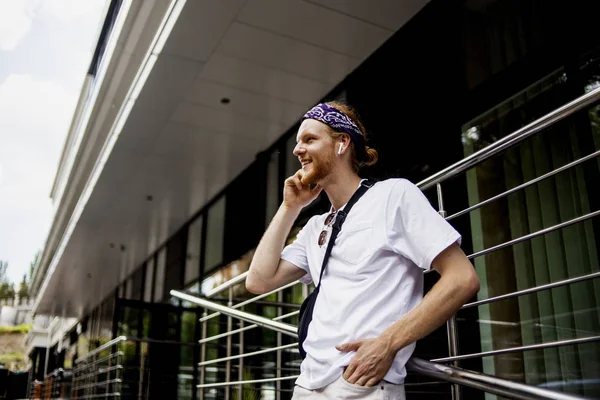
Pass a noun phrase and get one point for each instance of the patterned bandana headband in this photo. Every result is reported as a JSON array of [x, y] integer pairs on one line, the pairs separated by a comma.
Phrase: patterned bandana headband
[[338, 121]]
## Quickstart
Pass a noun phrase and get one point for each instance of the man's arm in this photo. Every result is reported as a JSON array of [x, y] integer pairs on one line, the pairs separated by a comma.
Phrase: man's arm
[[457, 284], [267, 270]]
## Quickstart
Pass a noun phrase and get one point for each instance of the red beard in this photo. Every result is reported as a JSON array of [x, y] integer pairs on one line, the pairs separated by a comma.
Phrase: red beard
[[318, 170]]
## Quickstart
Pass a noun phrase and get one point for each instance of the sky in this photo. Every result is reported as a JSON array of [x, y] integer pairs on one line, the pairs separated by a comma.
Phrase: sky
[[45, 50]]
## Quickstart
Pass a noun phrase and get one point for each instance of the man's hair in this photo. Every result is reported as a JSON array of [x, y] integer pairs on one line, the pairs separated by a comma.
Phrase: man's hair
[[370, 154]]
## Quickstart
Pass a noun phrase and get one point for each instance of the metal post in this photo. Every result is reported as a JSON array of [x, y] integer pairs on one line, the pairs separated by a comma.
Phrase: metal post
[[108, 373], [228, 363], [451, 328], [278, 364], [117, 386], [203, 355], [241, 363]]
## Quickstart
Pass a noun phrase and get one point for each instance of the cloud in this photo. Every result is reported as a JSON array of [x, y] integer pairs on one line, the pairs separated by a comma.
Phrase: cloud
[[17, 16], [34, 120], [70, 10], [15, 21]]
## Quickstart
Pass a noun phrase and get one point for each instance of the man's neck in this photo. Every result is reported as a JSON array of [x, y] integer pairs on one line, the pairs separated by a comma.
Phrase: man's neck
[[341, 188]]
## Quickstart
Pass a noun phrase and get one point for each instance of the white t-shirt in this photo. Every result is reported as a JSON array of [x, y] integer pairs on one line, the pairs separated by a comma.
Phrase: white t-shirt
[[374, 275]]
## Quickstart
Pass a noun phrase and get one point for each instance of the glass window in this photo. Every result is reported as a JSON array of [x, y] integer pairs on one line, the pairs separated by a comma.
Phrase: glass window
[[128, 288], [291, 161], [160, 275], [149, 278], [136, 282], [175, 263], [192, 261], [273, 187], [214, 235]]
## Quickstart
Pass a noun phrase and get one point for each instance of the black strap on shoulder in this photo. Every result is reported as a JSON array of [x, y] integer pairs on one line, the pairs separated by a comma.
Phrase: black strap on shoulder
[[340, 218]]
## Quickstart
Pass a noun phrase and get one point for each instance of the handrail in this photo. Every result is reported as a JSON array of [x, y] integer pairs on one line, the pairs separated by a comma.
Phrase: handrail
[[512, 139], [535, 234], [236, 383], [524, 185], [246, 328], [226, 285], [252, 300], [447, 373], [254, 353], [288, 329], [105, 346], [535, 289], [538, 346], [487, 383]]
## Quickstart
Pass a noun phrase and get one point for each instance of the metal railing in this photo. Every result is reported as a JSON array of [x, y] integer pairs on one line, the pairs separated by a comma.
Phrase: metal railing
[[487, 383], [446, 373], [99, 374], [125, 368]]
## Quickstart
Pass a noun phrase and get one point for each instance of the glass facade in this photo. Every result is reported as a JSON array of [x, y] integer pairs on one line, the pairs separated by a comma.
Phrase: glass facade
[[429, 97]]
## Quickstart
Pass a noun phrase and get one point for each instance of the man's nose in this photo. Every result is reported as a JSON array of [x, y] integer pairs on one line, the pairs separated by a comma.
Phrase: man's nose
[[298, 150]]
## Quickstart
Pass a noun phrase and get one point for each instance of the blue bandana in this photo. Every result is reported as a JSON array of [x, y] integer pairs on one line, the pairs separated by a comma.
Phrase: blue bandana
[[339, 122]]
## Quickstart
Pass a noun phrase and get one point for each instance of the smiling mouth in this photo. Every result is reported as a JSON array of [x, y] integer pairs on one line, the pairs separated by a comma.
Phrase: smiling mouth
[[305, 163]]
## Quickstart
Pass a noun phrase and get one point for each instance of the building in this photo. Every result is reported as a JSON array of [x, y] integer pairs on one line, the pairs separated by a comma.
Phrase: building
[[182, 137]]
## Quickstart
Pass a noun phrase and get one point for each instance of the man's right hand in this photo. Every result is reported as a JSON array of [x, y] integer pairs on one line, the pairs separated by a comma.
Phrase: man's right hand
[[296, 195]]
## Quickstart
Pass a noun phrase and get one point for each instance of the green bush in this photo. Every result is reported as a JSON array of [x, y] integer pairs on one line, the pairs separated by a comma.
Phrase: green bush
[[23, 328]]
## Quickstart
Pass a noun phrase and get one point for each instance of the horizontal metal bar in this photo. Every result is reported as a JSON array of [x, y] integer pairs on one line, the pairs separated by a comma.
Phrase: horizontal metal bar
[[232, 282], [222, 384], [110, 381], [246, 328], [539, 346], [525, 185], [102, 348], [249, 301], [244, 355], [535, 234], [103, 371], [512, 139], [487, 383], [95, 396], [533, 290], [98, 361], [288, 329]]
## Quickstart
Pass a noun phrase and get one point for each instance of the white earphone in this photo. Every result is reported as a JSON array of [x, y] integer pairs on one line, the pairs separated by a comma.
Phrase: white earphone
[[340, 149]]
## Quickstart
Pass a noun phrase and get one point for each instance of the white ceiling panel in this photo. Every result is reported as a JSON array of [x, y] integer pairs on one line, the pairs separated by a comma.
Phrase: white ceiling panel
[[263, 80], [317, 25], [179, 140], [215, 119], [246, 103], [147, 126], [168, 83], [200, 27], [387, 14], [287, 54]]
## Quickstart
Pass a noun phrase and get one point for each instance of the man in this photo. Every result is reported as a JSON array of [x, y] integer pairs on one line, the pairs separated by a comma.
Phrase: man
[[369, 311]]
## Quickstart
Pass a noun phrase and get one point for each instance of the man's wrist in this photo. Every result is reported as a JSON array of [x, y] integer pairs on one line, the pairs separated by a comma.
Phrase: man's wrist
[[395, 341], [289, 209]]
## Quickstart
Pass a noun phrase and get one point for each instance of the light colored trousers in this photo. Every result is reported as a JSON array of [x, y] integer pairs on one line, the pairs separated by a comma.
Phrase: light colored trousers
[[340, 389]]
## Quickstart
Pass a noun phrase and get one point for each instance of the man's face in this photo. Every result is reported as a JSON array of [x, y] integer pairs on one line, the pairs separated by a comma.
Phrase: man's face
[[315, 150]]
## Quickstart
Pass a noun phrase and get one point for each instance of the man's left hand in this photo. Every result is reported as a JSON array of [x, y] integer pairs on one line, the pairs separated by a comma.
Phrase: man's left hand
[[373, 359]]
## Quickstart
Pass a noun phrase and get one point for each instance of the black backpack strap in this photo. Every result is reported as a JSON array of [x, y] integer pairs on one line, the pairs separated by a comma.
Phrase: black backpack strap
[[340, 218]]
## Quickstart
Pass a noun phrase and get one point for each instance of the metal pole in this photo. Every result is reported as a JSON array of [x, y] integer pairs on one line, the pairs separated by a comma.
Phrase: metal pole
[[203, 356], [451, 328], [241, 363], [279, 343], [228, 363]]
